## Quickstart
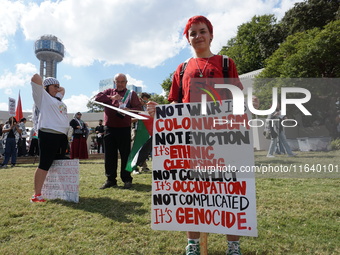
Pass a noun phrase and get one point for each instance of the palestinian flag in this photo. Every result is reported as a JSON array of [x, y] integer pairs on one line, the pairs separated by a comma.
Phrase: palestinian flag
[[142, 144]]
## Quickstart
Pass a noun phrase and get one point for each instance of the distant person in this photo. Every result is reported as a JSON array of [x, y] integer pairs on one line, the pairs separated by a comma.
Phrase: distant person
[[144, 99], [117, 136], [53, 126], [22, 147], [80, 132], [100, 130], [34, 144], [11, 134], [278, 137]]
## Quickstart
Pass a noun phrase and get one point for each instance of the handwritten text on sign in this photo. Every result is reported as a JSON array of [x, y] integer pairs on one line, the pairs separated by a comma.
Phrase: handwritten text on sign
[[196, 183], [62, 181]]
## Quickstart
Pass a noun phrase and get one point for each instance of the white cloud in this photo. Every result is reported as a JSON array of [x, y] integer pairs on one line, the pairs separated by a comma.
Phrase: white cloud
[[67, 77], [76, 103], [114, 32], [8, 92], [10, 13], [133, 81], [3, 107], [19, 78], [144, 32]]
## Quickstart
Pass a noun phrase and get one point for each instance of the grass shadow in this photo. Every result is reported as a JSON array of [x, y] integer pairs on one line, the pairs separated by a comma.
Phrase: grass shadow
[[313, 156], [141, 187], [116, 210]]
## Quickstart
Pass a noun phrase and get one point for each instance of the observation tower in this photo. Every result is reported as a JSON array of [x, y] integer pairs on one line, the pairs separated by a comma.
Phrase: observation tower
[[49, 50]]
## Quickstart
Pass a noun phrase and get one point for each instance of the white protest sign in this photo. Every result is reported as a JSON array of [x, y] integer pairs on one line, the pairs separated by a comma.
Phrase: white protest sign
[[62, 181], [11, 106], [198, 183]]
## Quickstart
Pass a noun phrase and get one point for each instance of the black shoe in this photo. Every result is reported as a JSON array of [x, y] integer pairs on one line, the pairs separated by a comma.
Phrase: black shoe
[[127, 185], [13, 165], [108, 184]]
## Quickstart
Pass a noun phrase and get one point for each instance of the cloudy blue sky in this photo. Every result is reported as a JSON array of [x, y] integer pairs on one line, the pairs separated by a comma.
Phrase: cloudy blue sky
[[141, 38]]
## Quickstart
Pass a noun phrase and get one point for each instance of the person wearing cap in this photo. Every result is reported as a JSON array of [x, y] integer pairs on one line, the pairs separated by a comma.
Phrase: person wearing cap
[[79, 137], [52, 126], [117, 135]]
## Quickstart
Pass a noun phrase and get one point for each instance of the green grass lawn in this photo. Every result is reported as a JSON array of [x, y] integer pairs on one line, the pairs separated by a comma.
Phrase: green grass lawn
[[297, 214]]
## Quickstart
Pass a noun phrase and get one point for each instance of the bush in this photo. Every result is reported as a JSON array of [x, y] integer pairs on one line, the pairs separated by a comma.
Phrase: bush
[[335, 144]]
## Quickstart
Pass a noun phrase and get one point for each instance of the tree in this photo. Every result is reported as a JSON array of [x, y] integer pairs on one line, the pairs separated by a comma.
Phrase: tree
[[314, 53], [159, 99], [94, 107], [270, 40], [254, 42], [310, 54], [258, 39], [166, 84], [309, 14]]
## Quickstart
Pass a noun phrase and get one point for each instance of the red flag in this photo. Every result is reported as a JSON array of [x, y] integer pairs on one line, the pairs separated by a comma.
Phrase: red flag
[[18, 112]]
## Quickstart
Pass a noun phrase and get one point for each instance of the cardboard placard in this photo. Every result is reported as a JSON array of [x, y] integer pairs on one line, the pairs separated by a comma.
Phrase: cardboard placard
[[197, 182], [62, 181]]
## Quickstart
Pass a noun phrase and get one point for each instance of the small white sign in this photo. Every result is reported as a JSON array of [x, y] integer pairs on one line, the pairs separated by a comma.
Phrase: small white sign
[[62, 181], [11, 106]]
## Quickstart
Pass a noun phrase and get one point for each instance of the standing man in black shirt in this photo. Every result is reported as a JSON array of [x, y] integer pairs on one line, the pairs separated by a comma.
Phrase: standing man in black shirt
[[100, 135]]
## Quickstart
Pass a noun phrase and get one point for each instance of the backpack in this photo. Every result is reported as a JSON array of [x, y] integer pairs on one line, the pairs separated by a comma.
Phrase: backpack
[[225, 66]]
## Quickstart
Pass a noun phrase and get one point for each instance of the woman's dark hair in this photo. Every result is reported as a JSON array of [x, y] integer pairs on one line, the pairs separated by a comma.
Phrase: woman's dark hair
[[144, 94], [14, 119]]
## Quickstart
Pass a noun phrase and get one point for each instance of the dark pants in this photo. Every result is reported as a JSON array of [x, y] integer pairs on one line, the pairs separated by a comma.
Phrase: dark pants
[[100, 144], [10, 151], [22, 150], [34, 147], [117, 139]]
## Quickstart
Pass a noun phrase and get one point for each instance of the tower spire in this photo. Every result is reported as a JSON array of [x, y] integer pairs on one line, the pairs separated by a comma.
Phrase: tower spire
[[49, 50]]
